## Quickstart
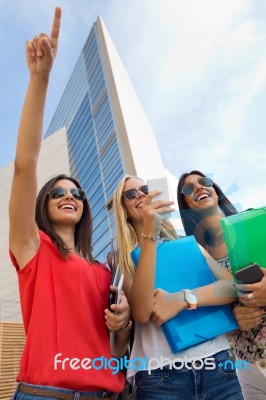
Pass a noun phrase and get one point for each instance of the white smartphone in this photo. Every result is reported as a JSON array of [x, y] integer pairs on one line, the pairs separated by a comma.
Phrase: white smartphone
[[119, 289], [114, 282], [161, 184]]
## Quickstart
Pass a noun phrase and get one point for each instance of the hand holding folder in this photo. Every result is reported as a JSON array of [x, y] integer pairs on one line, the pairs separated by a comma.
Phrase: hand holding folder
[[245, 238], [179, 265]]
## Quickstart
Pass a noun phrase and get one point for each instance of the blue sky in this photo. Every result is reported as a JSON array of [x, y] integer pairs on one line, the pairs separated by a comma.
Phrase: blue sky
[[198, 67]]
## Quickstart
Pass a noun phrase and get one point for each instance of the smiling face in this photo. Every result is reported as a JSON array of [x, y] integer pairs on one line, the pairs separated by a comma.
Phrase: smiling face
[[202, 198], [65, 210], [133, 207]]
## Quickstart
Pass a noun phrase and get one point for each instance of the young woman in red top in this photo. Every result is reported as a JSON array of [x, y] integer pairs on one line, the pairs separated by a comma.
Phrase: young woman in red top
[[63, 290]]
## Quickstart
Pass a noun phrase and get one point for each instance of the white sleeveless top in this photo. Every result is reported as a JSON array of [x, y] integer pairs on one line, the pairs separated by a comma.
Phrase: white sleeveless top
[[151, 345]]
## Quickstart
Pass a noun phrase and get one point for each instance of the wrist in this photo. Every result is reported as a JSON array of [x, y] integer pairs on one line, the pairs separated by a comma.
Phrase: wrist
[[179, 297], [127, 327], [151, 237], [191, 299], [39, 79]]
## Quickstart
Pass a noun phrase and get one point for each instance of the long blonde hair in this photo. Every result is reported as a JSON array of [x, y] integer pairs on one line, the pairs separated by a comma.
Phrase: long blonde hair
[[126, 236]]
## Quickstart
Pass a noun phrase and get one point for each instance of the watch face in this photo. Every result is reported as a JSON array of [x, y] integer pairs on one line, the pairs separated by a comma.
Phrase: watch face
[[191, 298]]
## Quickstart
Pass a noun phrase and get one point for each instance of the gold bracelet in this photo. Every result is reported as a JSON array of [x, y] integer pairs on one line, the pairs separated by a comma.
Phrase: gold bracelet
[[128, 327], [154, 238]]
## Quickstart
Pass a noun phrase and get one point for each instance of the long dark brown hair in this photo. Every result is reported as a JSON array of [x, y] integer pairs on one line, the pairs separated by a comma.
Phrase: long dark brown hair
[[190, 218], [83, 229]]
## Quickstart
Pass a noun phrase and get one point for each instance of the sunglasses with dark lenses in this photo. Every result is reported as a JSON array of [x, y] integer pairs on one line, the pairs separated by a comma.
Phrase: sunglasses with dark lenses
[[59, 191], [131, 194], [189, 187]]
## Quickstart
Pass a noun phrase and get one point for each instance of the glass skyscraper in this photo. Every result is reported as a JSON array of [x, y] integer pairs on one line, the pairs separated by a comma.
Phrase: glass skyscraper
[[98, 133], [94, 110]]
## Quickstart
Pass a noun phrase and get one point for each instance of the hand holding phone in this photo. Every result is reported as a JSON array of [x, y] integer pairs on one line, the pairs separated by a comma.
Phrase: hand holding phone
[[160, 184], [250, 274], [115, 294]]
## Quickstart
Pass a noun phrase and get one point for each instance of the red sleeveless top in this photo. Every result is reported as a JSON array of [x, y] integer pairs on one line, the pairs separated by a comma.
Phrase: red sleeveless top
[[63, 303]]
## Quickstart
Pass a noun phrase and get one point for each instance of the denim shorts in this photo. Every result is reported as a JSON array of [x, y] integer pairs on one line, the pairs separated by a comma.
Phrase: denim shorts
[[190, 383], [24, 396]]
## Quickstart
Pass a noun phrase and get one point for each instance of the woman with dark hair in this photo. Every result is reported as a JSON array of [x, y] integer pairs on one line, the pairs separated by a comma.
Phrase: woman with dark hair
[[63, 290], [83, 229], [202, 204], [199, 217]]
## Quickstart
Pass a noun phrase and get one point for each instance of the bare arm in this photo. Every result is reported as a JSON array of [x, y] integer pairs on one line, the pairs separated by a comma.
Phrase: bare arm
[[167, 305], [220, 292], [23, 236], [248, 317], [142, 290]]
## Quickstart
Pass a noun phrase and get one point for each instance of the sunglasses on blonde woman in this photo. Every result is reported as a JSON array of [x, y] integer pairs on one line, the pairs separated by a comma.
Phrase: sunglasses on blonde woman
[[59, 191], [189, 187], [131, 194]]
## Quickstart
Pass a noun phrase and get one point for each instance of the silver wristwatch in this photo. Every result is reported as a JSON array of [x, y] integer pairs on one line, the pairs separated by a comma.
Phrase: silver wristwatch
[[191, 299]]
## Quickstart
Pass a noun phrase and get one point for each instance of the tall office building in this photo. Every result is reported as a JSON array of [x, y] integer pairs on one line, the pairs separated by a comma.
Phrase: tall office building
[[99, 132], [107, 130]]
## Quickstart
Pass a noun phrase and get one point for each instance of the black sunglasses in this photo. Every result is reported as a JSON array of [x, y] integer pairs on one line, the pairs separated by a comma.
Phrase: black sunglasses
[[59, 191], [131, 194], [189, 187]]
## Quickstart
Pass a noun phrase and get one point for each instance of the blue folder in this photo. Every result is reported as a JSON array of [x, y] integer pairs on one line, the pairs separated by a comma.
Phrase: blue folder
[[181, 265]]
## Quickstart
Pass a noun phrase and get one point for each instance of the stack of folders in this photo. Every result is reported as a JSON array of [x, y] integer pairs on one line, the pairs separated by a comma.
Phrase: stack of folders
[[245, 238], [180, 264]]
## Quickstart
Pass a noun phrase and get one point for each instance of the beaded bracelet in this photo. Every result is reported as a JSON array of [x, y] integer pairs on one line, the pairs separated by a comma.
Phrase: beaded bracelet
[[154, 238]]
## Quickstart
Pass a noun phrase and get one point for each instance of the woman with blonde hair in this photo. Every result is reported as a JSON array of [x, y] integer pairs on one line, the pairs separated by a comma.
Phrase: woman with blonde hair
[[140, 224]]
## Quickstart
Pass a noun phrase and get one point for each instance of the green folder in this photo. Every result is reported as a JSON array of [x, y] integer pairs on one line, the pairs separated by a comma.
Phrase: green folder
[[245, 238]]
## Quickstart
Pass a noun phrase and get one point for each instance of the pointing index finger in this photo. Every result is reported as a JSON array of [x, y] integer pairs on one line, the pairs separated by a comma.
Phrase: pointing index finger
[[56, 26]]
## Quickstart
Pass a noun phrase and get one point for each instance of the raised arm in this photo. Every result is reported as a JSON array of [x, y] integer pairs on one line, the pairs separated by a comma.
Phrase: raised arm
[[142, 289], [40, 55]]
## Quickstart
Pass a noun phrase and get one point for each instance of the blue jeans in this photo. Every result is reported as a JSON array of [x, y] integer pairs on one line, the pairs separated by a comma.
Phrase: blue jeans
[[23, 396], [190, 383]]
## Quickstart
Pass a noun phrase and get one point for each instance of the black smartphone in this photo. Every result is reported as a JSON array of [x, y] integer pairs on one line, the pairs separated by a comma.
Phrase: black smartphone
[[250, 274]]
